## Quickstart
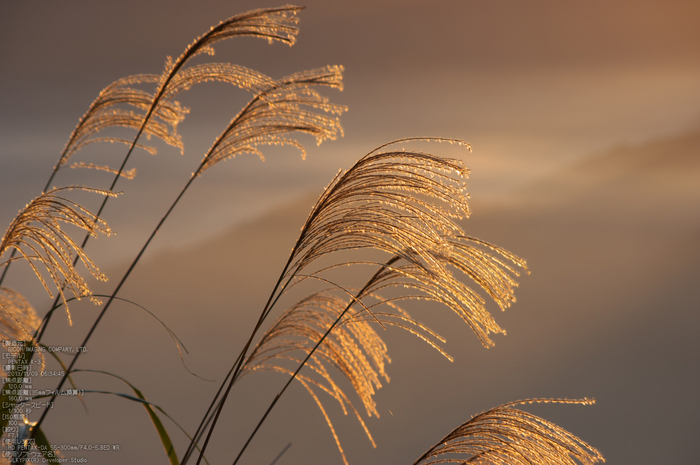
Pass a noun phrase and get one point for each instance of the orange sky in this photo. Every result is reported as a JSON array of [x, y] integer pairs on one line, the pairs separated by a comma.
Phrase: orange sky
[[532, 86], [535, 87]]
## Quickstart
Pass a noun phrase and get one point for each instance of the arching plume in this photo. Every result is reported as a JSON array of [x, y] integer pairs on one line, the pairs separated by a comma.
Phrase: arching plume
[[158, 114], [406, 204], [285, 106], [18, 319], [509, 436], [37, 235]]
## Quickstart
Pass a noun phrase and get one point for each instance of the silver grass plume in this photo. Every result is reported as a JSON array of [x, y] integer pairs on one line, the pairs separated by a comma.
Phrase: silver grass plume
[[18, 319], [405, 204], [489, 266], [126, 174], [509, 436], [353, 347], [278, 23], [236, 75], [37, 235], [287, 105], [106, 112], [18, 322], [271, 23]]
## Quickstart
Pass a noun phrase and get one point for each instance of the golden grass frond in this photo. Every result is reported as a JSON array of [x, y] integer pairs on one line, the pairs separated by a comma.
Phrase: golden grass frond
[[37, 235], [269, 23], [398, 202], [488, 271], [287, 105], [405, 204], [353, 347], [18, 319], [110, 118], [129, 174], [148, 148], [236, 75], [116, 93], [104, 112], [509, 436]]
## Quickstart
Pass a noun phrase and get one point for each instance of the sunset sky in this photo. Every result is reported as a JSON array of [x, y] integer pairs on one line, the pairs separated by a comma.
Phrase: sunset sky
[[532, 86], [572, 109]]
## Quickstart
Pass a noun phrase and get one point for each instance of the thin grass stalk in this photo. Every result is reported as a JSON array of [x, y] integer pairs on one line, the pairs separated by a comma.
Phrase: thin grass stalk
[[210, 416], [239, 361], [274, 296], [207, 418], [367, 285], [112, 298], [236, 368], [44, 323], [9, 261]]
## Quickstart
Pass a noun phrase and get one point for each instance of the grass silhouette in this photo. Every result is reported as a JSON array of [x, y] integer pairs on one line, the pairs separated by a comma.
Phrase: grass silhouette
[[403, 205]]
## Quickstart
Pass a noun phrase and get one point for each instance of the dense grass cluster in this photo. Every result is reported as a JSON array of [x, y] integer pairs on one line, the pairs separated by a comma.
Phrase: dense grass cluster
[[403, 205]]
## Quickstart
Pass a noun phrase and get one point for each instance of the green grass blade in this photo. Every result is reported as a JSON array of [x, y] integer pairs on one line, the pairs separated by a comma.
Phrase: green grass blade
[[164, 438], [157, 424], [131, 398], [9, 396]]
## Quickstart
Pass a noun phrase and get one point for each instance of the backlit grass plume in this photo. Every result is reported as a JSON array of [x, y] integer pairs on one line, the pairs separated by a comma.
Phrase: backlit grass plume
[[106, 112], [400, 210], [405, 204], [37, 235], [273, 24], [288, 105], [18, 319], [509, 436], [354, 348]]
